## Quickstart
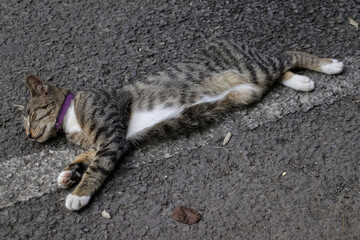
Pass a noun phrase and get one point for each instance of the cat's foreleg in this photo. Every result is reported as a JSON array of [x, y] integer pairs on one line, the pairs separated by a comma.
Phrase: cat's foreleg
[[99, 169], [81, 139], [74, 171]]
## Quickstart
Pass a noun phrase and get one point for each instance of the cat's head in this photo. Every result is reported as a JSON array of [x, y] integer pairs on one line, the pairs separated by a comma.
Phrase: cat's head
[[42, 110]]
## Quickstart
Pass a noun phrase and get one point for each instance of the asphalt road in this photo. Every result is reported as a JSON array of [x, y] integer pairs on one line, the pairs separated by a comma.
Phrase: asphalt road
[[290, 170]]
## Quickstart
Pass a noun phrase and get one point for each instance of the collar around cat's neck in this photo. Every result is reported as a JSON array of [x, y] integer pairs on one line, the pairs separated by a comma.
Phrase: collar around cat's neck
[[63, 111]]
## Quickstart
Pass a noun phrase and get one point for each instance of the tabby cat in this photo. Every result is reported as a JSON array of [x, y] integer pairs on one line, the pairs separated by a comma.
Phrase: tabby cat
[[190, 95]]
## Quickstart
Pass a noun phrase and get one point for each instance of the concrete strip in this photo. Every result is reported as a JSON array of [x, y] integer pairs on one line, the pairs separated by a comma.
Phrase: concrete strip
[[34, 175], [31, 176]]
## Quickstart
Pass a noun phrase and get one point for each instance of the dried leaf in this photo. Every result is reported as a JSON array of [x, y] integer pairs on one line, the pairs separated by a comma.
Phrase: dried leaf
[[18, 106], [227, 138], [105, 214], [353, 22], [186, 215]]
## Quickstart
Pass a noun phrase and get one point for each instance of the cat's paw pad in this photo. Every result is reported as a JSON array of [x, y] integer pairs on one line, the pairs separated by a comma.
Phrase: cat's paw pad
[[64, 179], [75, 203], [300, 83], [333, 68]]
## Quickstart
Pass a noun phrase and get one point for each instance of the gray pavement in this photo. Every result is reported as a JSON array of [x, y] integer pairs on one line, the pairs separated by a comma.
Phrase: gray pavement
[[239, 189]]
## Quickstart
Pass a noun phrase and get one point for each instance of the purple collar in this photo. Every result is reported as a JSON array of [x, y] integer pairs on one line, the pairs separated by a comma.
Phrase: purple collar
[[63, 111]]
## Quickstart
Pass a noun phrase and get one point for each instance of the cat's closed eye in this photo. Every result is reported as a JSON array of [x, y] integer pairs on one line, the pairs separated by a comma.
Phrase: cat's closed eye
[[39, 122]]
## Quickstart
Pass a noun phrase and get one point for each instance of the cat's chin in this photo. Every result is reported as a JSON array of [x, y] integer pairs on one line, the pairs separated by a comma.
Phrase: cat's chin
[[47, 137], [42, 140]]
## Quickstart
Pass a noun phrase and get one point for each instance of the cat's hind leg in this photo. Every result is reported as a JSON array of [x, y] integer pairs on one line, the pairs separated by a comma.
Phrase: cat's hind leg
[[332, 66], [242, 94], [74, 171], [312, 62], [297, 82]]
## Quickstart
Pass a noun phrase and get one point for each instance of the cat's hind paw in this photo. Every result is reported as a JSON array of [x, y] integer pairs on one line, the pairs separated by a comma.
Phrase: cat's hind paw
[[64, 179], [333, 68], [75, 203], [300, 83]]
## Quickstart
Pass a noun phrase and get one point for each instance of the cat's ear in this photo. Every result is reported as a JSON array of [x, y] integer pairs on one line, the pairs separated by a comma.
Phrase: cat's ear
[[37, 86]]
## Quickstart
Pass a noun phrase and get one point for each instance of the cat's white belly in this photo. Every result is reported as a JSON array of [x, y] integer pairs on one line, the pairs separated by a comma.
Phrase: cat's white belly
[[70, 123], [141, 119]]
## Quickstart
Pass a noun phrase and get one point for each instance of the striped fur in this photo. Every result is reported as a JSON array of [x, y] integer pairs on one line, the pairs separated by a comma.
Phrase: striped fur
[[190, 95]]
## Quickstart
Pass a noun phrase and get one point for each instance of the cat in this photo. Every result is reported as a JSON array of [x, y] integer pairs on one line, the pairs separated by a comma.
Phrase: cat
[[187, 96]]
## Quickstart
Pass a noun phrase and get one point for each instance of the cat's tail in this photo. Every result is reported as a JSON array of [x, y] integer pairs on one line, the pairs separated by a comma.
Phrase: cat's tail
[[312, 62]]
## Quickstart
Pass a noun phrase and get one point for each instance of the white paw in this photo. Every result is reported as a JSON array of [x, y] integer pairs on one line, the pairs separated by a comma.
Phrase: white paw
[[333, 68], [75, 203], [64, 179], [300, 83]]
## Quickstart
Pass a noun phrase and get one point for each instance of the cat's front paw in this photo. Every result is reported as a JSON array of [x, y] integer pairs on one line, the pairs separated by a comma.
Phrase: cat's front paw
[[64, 179], [75, 203]]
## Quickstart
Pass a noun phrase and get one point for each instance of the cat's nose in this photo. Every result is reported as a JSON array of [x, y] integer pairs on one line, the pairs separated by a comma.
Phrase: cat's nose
[[29, 135]]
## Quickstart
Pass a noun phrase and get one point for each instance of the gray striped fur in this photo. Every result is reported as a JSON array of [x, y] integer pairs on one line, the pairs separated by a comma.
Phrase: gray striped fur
[[104, 115]]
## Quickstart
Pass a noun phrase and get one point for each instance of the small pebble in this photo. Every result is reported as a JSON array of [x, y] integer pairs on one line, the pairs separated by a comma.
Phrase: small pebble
[[105, 214]]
